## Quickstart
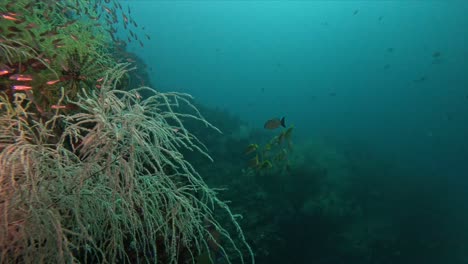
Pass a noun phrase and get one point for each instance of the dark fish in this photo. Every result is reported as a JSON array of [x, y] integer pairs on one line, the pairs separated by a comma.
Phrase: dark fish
[[31, 26], [49, 33], [274, 123], [94, 17], [421, 79], [14, 29], [390, 50], [56, 41], [436, 54], [108, 10], [355, 12], [28, 6]]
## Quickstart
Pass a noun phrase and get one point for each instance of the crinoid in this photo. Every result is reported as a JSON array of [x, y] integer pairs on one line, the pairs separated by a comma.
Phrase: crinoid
[[79, 71]]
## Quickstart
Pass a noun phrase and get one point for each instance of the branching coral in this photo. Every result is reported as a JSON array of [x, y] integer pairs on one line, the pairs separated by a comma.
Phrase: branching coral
[[110, 186]]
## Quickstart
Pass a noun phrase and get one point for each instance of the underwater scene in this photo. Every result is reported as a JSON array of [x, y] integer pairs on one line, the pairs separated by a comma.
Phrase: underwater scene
[[216, 132]]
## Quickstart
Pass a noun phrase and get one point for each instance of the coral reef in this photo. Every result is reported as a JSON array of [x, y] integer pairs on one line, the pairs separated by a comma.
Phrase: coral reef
[[91, 170]]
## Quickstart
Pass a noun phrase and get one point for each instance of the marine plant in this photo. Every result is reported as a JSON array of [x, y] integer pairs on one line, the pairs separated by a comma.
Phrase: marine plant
[[111, 183], [62, 44], [89, 170]]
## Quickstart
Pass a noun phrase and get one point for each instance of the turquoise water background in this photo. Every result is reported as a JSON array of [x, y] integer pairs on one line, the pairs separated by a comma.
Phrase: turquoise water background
[[392, 75]]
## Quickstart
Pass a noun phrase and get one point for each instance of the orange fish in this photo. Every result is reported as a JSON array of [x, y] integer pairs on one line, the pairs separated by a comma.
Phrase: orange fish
[[274, 123], [52, 82], [21, 77], [9, 16], [5, 70], [22, 87], [58, 107]]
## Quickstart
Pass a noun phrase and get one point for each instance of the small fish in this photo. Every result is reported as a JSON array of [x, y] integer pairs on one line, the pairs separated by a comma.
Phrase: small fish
[[4, 70], [58, 107], [14, 29], [436, 54], [107, 10], [355, 12], [22, 87], [250, 148], [390, 50], [31, 26], [9, 16], [94, 17], [274, 123], [21, 77], [52, 82], [48, 33], [28, 6], [56, 41], [421, 79], [139, 97]]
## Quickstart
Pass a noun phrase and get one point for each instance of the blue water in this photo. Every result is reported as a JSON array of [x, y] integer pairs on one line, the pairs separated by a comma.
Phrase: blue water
[[391, 76], [369, 76]]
